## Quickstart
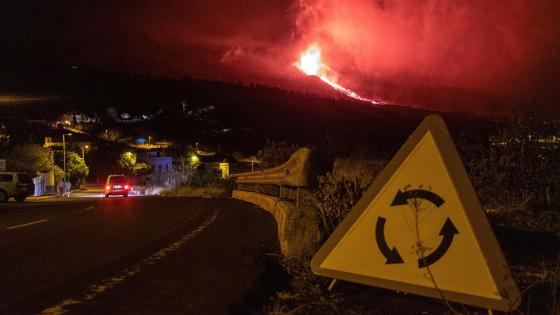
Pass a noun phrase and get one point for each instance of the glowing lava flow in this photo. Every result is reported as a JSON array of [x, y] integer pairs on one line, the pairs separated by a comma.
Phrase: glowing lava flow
[[310, 63]]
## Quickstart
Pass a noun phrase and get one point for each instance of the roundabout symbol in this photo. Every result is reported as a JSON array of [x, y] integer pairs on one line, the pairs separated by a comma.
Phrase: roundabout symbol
[[448, 230], [469, 266]]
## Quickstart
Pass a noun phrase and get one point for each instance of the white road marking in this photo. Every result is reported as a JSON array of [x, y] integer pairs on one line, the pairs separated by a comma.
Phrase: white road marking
[[99, 288], [26, 224], [89, 208]]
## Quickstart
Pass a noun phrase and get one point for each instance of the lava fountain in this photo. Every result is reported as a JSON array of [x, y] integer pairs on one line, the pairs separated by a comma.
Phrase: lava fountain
[[310, 63]]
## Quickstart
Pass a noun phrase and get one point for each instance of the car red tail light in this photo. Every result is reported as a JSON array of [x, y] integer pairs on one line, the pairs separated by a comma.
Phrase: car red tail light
[[108, 187], [125, 186]]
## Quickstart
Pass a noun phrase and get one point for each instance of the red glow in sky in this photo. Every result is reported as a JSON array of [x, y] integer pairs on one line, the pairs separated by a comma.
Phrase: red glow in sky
[[478, 55]]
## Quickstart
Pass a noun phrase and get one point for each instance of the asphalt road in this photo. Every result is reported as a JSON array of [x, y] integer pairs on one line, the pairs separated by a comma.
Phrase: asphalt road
[[135, 255]]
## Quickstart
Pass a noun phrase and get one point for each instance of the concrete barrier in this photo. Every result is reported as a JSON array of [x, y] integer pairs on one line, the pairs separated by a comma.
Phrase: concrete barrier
[[298, 229]]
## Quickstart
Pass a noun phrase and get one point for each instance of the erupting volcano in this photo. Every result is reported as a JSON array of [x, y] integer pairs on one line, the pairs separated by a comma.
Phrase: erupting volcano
[[310, 63]]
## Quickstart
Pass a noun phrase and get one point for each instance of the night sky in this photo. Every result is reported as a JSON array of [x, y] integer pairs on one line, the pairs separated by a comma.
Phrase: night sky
[[431, 53]]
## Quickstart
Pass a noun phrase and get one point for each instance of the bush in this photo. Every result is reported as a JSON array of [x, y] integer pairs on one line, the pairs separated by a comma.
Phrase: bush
[[361, 165], [307, 294], [333, 199], [275, 153], [338, 192], [206, 176], [515, 169]]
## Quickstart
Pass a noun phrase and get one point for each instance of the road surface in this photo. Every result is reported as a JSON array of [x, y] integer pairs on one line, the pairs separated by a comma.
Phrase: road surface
[[135, 255]]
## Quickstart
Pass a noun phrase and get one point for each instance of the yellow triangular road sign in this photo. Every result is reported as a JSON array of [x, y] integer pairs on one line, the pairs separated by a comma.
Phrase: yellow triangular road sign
[[419, 228]]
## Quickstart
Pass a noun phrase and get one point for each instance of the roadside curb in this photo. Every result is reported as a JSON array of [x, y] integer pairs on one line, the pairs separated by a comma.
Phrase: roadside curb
[[39, 198]]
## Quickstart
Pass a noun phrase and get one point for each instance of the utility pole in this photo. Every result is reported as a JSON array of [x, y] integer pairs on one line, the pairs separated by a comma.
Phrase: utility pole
[[64, 153], [84, 147], [83, 151]]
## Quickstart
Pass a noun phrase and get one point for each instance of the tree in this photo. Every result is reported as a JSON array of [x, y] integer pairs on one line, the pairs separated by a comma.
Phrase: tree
[[127, 160], [76, 167], [110, 135], [30, 158], [129, 163], [185, 170]]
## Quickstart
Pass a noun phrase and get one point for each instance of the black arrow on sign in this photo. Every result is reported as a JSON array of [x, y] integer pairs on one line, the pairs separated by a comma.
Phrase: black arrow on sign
[[402, 197], [392, 255], [448, 231]]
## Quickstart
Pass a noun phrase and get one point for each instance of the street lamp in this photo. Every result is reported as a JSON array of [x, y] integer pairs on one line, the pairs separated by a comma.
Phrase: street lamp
[[149, 140], [64, 152], [194, 160], [253, 160], [84, 147]]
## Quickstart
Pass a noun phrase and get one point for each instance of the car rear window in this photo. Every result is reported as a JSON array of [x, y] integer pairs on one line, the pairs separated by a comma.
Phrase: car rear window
[[6, 177], [24, 178], [116, 179]]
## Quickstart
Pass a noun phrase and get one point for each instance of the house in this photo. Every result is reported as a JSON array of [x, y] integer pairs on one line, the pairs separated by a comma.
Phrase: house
[[160, 163], [162, 168]]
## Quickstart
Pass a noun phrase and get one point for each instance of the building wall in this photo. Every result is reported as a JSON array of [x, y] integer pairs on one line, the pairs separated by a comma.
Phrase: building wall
[[160, 165]]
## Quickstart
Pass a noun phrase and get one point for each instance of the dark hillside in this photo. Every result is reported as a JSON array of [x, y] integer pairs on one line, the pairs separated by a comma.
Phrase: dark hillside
[[254, 113]]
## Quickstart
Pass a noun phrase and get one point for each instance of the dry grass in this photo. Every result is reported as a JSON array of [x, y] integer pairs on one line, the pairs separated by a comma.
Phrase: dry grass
[[206, 192], [361, 165], [512, 173]]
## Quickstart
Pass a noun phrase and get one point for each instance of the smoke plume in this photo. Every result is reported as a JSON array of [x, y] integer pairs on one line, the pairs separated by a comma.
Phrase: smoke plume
[[434, 52]]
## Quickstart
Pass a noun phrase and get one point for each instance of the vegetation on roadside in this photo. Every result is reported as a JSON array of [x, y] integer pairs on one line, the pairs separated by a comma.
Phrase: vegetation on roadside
[[517, 177], [518, 168], [275, 153], [200, 181], [130, 165], [76, 167], [32, 158]]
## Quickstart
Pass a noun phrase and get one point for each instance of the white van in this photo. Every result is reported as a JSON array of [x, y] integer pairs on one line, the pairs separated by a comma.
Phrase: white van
[[17, 185]]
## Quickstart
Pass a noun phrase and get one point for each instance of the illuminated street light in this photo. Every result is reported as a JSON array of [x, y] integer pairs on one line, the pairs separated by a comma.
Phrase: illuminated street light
[[85, 147], [194, 159]]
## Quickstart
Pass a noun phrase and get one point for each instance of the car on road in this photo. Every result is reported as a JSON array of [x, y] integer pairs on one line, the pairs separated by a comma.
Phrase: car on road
[[117, 185], [16, 185]]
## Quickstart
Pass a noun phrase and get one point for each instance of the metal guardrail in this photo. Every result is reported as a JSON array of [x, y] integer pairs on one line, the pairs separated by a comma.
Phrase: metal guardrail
[[288, 181]]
